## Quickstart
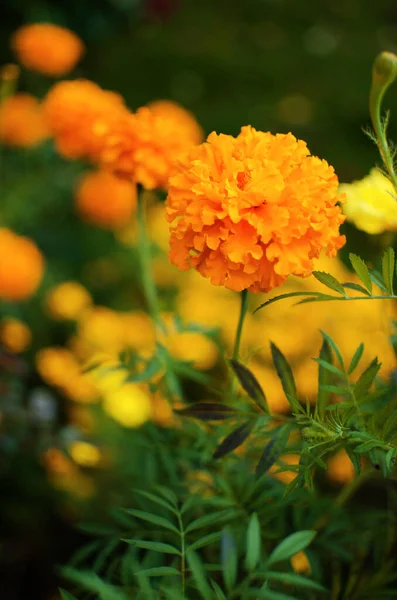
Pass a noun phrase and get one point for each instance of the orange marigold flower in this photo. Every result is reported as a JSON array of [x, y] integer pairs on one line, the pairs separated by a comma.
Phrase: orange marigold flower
[[22, 121], [21, 268], [105, 199], [145, 146], [79, 114], [47, 48], [246, 212], [183, 118]]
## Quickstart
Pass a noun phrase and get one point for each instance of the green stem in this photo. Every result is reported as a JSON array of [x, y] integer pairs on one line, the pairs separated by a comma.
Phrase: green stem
[[145, 258], [380, 132], [183, 552], [243, 312]]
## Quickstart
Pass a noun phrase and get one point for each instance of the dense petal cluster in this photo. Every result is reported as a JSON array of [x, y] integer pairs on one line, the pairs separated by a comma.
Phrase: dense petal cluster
[[79, 113], [47, 48], [145, 145], [106, 200], [22, 121], [371, 203], [246, 212], [21, 266]]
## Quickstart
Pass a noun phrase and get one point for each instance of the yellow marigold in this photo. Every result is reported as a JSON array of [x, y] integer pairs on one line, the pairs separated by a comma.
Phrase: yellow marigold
[[300, 563], [56, 365], [183, 118], [193, 346], [21, 268], [14, 335], [68, 300], [22, 121], [47, 48], [371, 203], [79, 114], [101, 329], [85, 454], [144, 146], [340, 468], [105, 200], [130, 405], [246, 212]]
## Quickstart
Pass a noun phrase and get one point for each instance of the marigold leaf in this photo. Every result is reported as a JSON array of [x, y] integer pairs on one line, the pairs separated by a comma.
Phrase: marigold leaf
[[378, 280], [205, 540], [151, 518], [295, 579], [209, 411], [356, 287], [157, 500], [356, 359], [253, 543], [324, 377], [66, 595], [284, 373], [362, 271], [234, 439], [329, 281], [291, 545], [155, 546], [273, 449], [228, 558], [250, 384], [158, 572], [285, 296], [334, 348], [210, 519], [356, 460], [366, 379], [388, 264], [329, 367], [198, 573]]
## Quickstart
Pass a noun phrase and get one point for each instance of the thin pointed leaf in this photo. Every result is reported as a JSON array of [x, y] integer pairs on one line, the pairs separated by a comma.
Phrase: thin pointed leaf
[[366, 379], [295, 579], [155, 546], [158, 572], [324, 377], [210, 519], [291, 545], [356, 287], [273, 449], [284, 297], [329, 367], [356, 359], [234, 439], [218, 591], [388, 264], [329, 281], [228, 559], [253, 543], [334, 348], [151, 518], [362, 271], [198, 573], [205, 540], [378, 280], [160, 501], [284, 372], [66, 595], [250, 384], [355, 460], [209, 411]]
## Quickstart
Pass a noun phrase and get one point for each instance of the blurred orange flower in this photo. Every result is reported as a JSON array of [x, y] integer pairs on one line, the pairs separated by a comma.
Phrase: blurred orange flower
[[183, 118], [21, 268], [246, 212], [106, 200], [15, 335], [145, 145], [47, 48], [22, 121], [79, 114]]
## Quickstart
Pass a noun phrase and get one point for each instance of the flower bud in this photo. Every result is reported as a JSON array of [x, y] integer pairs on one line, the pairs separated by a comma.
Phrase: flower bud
[[384, 69]]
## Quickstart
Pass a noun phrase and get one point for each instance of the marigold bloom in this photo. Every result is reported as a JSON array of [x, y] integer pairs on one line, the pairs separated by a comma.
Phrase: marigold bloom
[[22, 121], [79, 114], [105, 200], [85, 454], [68, 300], [371, 203], [47, 48], [183, 118], [15, 336], [340, 468], [193, 346], [247, 212], [144, 146], [130, 405], [300, 563], [21, 268]]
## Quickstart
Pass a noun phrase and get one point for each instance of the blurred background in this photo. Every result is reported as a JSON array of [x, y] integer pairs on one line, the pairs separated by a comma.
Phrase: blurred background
[[279, 65]]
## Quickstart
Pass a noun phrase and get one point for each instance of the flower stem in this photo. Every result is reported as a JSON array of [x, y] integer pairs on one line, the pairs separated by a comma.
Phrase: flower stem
[[243, 312], [144, 252]]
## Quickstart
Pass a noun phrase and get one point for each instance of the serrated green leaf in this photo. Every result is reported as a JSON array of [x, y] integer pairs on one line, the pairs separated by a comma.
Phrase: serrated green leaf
[[205, 540], [329, 281], [253, 543], [356, 287], [228, 559], [356, 359], [291, 545], [159, 572], [284, 373], [285, 296], [151, 518], [198, 573], [294, 579], [366, 379], [209, 519], [209, 411], [324, 377], [234, 439], [155, 546], [362, 271], [388, 264], [378, 280], [250, 384]]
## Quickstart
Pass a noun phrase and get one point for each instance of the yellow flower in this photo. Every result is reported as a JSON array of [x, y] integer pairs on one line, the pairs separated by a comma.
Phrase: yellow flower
[[85, 454], [371, 203], [68, 300], [193, 346], [340, 468], [102, 330], [14, 335], [300, 563], [108, 376], [47, 48], [130, 405]]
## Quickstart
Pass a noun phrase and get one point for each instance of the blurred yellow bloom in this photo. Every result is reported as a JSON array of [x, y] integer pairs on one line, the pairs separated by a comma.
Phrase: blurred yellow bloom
[[102, 330], [85, 454], [163, 414], [22, 121], [194, 347], [340, 468], [371, 203], [130, 405], [68, 300], [108, 376], [14, 335], [300, 563], [139, 332], [47, 48], [21, 273]]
